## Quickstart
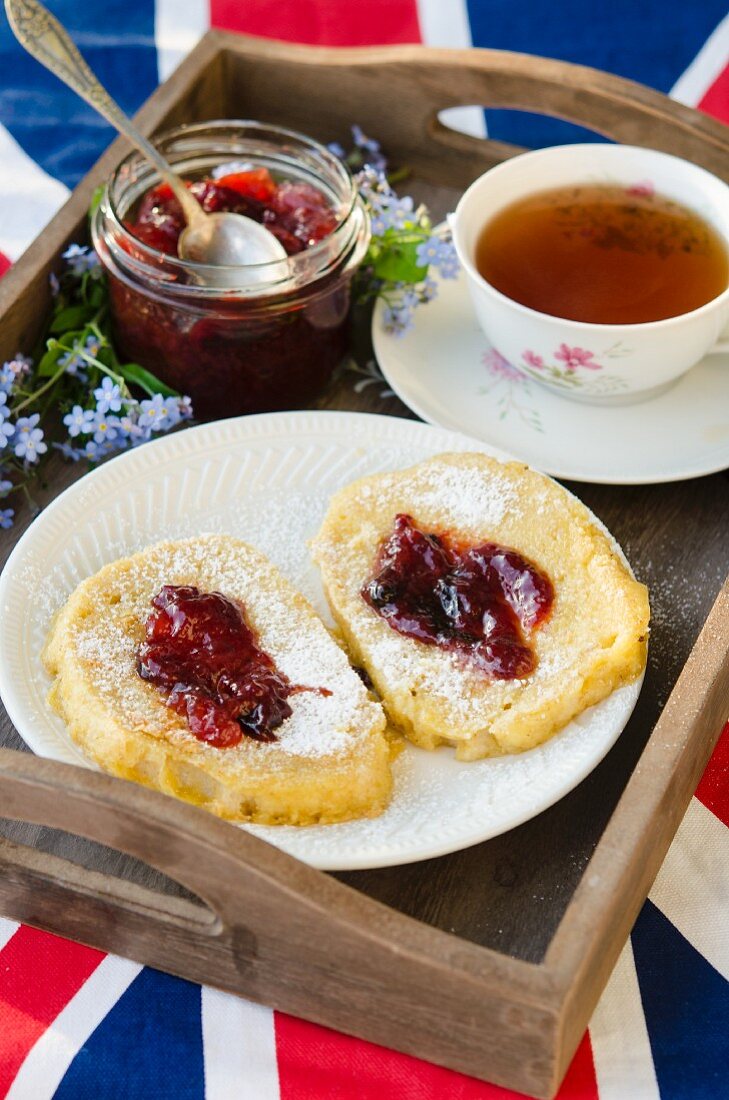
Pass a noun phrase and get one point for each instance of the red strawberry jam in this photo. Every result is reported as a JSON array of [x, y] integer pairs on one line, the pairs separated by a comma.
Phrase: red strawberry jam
[[298, 214], [235, 353], [481, 602], [200, 650]]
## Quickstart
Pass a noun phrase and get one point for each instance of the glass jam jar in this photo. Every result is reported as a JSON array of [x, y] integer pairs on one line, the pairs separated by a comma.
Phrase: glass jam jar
[[236, 339]]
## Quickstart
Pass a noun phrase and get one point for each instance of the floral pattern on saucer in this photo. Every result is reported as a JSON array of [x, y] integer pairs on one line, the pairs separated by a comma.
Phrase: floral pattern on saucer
[[511, 389], [569, 364], [368, 374], [443, 371]]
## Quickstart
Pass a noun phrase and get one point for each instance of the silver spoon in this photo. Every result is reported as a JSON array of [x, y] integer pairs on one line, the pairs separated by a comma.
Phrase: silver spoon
[[217, 239]]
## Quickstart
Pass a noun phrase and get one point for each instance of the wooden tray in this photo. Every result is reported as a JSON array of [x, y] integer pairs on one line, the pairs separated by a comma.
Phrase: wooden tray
[[489, 960]]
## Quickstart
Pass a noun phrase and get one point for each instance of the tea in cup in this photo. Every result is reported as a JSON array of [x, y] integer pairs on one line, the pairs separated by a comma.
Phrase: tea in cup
[[602, 271]]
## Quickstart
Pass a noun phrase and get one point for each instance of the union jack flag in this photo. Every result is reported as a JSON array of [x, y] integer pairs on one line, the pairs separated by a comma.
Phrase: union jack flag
[[77, 1023]]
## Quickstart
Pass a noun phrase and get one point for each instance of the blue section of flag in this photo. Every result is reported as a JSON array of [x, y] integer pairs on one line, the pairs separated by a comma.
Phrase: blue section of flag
[[651, 41], [56, 128], [149, 1045], [686, 1005]]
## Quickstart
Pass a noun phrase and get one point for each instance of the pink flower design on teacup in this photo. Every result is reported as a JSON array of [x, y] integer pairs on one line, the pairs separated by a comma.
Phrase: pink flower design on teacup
[[576, 357], [645, 188], [532, 359], [499, 367]]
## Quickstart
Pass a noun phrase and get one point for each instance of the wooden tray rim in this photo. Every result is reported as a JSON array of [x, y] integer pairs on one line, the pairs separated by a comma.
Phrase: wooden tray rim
[[557, 987]]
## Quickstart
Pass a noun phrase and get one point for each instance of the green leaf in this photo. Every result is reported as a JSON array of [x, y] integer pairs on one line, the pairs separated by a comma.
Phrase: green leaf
[[95, 200], [104, 355], [398, 175], [138, 376], [72, 317], [49, 363], [96, 294], [397, 263], [110, 359]]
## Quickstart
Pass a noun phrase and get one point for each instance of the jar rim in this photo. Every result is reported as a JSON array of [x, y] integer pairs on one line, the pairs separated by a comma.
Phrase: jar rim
[[315, 260]]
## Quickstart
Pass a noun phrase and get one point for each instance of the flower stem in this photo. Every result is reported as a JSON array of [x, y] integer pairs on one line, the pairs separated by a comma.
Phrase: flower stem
[[46, 386], [117, 378]]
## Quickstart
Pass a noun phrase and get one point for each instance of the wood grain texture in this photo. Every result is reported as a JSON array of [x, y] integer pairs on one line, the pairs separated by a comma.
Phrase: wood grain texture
[[513, 938], [397, 92], [277, 931]]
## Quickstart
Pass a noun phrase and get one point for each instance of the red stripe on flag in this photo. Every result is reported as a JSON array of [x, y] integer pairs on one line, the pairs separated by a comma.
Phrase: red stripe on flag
[[39, 974], [321, 22], [4, 264], [715, 100], [713, 790], [580, 1082], [315, 1063]]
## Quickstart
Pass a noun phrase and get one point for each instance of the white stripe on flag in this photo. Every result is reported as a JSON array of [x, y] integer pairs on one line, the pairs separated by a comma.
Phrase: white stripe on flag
[[692, 887], [8, 928], [706, 67], [30, 197], [178, 26], [239, 1044], [621, 1049], [447, 25], [47, 1062]]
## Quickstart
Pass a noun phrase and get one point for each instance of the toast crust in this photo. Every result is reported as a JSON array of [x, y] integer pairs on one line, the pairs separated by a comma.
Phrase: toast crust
[[331, 761], [594, 641]]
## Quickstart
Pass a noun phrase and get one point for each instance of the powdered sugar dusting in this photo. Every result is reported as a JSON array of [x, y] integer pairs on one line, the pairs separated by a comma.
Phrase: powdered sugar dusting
[[438, 798], [106, 643], [446, 676], [468, 497]]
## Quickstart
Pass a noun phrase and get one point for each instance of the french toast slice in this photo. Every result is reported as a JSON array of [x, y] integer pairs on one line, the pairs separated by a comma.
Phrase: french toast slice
[[594, 640], [331, 760]]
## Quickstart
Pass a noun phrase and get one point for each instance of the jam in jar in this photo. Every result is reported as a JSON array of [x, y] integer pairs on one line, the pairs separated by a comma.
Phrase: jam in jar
[[236, 339]]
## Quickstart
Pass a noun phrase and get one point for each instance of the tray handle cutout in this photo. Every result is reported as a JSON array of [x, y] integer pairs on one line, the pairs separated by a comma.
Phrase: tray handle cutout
[[619, 109], [276, 931], [219, 864], [422, 81]]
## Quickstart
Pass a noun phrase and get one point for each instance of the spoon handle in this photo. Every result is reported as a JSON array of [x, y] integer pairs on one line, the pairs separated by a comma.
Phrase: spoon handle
[[47, 41]]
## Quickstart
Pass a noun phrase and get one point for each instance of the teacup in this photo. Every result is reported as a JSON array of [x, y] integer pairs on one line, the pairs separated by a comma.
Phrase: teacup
[[600, 363]]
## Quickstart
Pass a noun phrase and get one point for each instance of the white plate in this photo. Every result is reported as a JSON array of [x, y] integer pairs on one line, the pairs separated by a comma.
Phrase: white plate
[[268, 479], [446, 371]]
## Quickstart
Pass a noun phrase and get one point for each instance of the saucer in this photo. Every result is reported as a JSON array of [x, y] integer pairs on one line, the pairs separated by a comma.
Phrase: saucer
[[446, 371]]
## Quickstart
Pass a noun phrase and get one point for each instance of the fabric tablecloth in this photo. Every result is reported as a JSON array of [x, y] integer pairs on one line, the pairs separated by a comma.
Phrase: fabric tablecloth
[[76, 1023]]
